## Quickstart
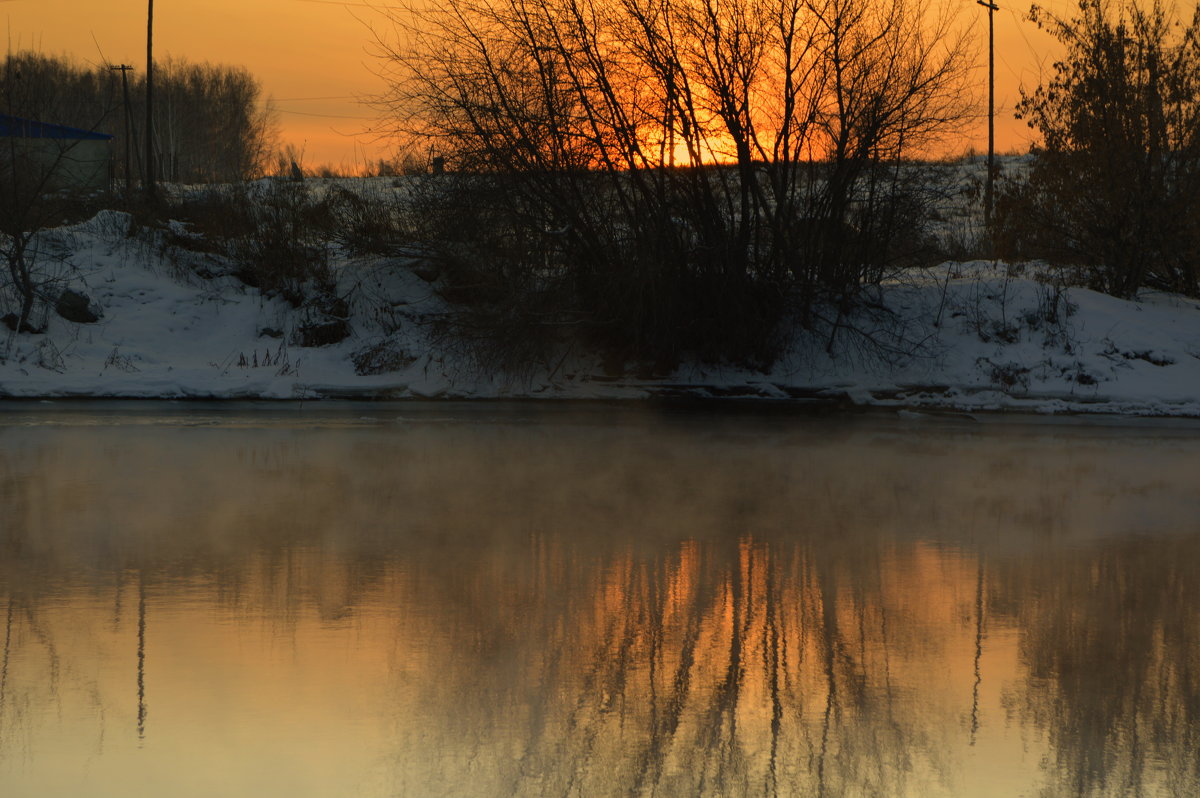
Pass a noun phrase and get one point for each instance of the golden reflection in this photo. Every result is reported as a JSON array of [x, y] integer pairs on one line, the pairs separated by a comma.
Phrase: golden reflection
[[636, 606]]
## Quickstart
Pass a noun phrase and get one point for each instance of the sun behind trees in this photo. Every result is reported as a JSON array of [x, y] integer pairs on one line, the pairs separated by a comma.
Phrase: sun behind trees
[[676, 176]]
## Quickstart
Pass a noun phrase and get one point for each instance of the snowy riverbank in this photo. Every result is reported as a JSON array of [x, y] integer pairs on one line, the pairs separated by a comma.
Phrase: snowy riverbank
[[973, 336]]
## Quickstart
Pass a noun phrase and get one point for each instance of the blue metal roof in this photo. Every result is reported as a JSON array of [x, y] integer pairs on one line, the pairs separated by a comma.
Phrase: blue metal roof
[[15, 127]]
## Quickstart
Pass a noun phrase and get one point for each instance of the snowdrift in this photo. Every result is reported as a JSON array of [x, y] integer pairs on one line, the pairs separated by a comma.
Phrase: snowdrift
[[970, 336]]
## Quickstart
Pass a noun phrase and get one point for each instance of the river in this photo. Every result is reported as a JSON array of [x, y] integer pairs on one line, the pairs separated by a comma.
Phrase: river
[[535, 600]]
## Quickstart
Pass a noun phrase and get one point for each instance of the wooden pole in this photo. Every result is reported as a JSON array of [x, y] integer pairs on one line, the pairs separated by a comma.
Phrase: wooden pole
[[989, 189], [128, 135], [151, 187]]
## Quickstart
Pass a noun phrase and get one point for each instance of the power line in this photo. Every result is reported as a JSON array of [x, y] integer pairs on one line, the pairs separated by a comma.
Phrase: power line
[[1037, 57], [304, 99], [327, 116], [340, 3], [1009, 67]]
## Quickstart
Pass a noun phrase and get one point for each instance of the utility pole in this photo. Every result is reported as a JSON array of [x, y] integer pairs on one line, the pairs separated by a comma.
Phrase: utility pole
[[128, 134], [989, 189], [151, 188]]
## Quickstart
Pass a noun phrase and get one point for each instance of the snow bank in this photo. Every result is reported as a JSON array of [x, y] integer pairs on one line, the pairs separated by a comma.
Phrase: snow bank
[[966, 336]]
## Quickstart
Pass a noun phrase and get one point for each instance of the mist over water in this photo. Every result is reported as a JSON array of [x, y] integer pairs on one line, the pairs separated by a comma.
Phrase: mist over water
[[518, 601]]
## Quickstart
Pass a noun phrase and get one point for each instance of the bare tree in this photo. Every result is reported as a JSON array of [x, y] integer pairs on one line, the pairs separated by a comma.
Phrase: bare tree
[[678, 175], [212, 123]]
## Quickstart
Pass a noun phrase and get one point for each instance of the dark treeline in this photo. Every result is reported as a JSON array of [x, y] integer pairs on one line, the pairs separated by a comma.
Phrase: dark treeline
[[211, 121]]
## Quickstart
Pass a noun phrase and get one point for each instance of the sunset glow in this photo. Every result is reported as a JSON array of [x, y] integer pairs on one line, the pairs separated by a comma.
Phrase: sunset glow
[[314, 59], [311, 58]]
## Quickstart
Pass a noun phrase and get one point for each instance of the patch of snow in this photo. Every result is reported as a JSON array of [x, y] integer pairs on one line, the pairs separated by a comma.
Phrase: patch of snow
[[966, 337]]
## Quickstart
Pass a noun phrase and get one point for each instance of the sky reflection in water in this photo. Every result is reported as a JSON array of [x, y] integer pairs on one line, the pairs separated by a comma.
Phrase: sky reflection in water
[[492, 602]]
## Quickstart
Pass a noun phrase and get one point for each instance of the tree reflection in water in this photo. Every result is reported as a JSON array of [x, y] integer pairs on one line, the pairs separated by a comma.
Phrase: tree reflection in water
[[739, 669], [1111, 640], [822, 610]]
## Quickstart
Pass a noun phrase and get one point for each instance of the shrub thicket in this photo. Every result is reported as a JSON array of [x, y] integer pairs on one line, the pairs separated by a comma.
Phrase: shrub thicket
[[676, 177], [283, 236]]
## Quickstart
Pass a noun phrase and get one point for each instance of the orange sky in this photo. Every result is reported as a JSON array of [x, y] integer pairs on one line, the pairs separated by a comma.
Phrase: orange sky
[[298, 49], [313, 57]]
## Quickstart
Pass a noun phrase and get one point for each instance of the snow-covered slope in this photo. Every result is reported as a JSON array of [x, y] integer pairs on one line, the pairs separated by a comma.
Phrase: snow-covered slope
[[969, 336]]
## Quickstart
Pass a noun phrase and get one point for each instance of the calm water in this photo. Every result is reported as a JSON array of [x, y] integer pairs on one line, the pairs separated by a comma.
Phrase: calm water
[[365, 601]]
